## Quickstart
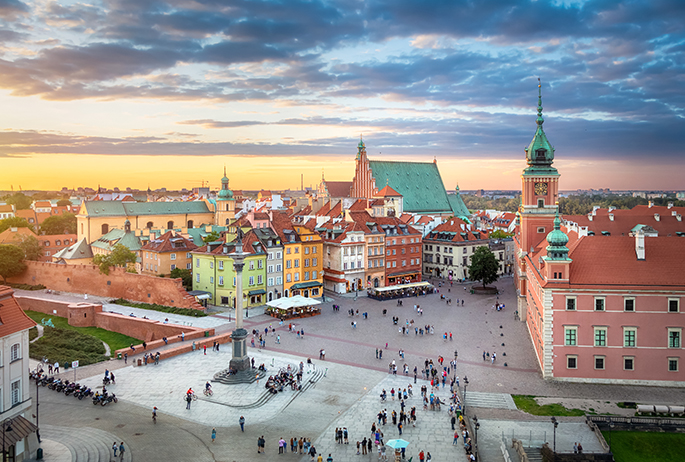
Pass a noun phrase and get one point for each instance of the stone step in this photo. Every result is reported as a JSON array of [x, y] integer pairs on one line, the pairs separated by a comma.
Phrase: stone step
[[490, 400], [85, 444]]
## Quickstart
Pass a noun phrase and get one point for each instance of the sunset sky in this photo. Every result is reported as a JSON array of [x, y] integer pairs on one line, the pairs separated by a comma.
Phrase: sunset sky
[[165, 93]]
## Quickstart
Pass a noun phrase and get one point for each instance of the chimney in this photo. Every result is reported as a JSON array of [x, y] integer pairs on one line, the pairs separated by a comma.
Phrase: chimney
[[651, 204], [611, 216], [594, 209], [670, 205], [640, 245], [657, 217]]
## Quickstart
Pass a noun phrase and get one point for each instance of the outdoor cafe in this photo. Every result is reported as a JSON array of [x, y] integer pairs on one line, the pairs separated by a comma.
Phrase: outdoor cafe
[[400, 291], [296, 306]]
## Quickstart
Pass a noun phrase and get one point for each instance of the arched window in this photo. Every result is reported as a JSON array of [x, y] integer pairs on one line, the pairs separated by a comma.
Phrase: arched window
[[170, 225], [105, 228], [15, 352], [190, 224], [149, 225]]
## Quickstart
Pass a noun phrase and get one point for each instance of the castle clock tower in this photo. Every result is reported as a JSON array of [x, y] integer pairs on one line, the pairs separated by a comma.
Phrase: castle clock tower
[[540, 188]]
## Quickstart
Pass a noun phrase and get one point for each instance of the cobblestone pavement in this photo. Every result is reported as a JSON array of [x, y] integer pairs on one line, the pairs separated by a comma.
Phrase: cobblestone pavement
[[346, 396]]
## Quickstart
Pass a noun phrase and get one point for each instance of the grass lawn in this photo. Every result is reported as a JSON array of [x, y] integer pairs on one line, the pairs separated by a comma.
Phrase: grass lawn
[[115, 340], [646, 446], [162, 308], [527, 403], [65, 346]]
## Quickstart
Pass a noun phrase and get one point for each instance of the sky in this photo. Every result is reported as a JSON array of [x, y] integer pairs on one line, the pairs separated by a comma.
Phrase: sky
[[138, 93]]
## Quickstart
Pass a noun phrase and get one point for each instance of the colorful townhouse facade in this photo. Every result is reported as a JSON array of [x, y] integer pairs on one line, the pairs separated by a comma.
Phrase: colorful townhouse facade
[[602, 299], [166, 253]]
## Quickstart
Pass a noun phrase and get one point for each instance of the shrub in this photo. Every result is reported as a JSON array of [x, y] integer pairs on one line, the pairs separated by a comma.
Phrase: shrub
[[162, 308]]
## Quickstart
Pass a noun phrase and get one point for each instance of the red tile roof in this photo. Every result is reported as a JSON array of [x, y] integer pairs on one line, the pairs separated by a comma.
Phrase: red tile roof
[[12, 317], [387, 191], [456, 230], [611, 260], [169, 242], [626, 219], [324, 210], [338, 188], [359, 204]]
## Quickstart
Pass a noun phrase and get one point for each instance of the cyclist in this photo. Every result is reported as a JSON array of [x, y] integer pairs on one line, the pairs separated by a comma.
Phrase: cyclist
[[208, 386]]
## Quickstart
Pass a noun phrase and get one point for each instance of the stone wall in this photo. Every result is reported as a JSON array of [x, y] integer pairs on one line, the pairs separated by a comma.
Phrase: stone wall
[[87, 279], [549, 456], [88, 314]]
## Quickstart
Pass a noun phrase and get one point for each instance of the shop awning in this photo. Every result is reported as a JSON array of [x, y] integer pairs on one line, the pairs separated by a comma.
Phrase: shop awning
[[403, 273], [296, 301], [21, 428], [256, 292], [306, 285]]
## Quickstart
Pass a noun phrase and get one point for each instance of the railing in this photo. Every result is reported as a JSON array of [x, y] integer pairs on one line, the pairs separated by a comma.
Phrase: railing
[[635, 420]]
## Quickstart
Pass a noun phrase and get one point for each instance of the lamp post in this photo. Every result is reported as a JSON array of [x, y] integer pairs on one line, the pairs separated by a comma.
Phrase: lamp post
[[476, 426], [466, 382], [556, 424], [37, 415], [6, 427]]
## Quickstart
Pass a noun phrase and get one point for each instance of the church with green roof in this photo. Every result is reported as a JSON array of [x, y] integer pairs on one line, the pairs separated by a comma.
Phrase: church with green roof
[[419, 184]]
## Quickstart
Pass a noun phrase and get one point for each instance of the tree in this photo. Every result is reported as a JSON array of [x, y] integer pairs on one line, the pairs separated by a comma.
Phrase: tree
[[211, 237], [31, 247], [19, 200], [63, 203], [59, 224], [499, 234], [120, 256], [186, 276], [13, 222], [11, 261], [484, 266]]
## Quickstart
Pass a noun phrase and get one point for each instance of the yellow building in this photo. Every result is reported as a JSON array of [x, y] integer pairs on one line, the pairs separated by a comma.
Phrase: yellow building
[[97, 218], [166, 253]]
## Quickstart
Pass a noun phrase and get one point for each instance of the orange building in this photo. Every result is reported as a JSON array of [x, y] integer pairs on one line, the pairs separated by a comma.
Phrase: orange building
[[166, 253]]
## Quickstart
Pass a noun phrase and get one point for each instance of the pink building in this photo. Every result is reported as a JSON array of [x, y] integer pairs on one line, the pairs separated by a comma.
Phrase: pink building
[[602, 298]]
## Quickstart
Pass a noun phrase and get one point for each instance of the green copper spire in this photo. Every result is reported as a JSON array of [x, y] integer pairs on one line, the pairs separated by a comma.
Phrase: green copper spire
[[540, 153], [360, 147], [557, 240], [225, 193]]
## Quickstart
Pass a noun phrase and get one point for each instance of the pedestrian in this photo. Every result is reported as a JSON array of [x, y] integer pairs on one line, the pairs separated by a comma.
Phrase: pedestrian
[[241, 421], [358, 443], [494, 355], [330, 458], [122, 449], [364, 446], [125, 359], [56, 367], [50, 365], [189, 399], [205, 349], [278, 339], [213, 434], [281, 446], [575, 447], [376, 358], [115, 448]]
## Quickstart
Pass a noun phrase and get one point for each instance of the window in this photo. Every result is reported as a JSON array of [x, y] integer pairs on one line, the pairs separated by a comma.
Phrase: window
[[674, 337], [189, 266], [279, 280], [270, 269], [628, 304], [234, 281], [197, 277], [260, 279], [211, 278], [252, 264], [287, 250], [673, 364], [172, 256], [197, 263], [315, 261], [288, 277], [389, 266], [673, 305], [47, 253], [306, 250], [389, 252], [297, 263], [571, 362], [541, 203], [251, 280], [188, 255], [297, 277], [173, 267], [628, 363], [58, 242], [404, 262], [571, 303], [211, 265], [270, 281], [15, 352], [570, 336], [306, 276], [600, 336], [279, 268], [394, 264], [288, 264], [313, 274], [599, 362], [306, 262], [260, 264], [313, 249], [629, 337], [599, 303], [221, 264], [16, 392], [221, 280], [147, 266], [297, 250]]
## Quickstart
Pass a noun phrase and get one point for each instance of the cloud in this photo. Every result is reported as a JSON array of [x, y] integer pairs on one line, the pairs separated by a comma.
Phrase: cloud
[[10, 9]]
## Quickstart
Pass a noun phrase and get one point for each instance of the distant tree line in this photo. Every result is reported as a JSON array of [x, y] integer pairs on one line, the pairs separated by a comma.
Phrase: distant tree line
[[485, 203], [582, 205]]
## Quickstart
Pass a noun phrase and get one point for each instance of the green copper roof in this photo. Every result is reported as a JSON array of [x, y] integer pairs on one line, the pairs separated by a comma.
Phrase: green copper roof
[[419, 183], [75, 251], [118, 236], [458, 207], [540, 153], [557, 240], [117, 208]]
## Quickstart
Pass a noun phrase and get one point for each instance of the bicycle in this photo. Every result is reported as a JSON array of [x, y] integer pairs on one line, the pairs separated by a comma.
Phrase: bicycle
[[208, 392], [193, 396]]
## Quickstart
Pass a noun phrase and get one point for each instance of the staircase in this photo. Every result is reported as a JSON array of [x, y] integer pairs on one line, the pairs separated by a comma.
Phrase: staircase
[[490, 400], [85, 444], [534, 454]]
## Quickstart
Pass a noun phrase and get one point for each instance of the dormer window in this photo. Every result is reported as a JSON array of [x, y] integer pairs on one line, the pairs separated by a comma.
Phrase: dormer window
[[540, 154]]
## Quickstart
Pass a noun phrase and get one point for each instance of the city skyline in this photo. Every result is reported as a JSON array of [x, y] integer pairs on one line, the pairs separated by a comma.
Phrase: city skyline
[[128, 94]]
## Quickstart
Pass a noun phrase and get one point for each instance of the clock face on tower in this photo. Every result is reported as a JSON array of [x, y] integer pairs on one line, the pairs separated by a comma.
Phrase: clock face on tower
[[540, 189]]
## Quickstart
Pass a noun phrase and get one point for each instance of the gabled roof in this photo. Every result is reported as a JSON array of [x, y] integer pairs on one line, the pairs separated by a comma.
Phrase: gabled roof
[[387, 191], [14, 235], [338, 188], [118, 236], [359, 204], [324, 210], [419, 183], [118, 208], [335, 211], [75, 251], [170, 242], [12, 317]]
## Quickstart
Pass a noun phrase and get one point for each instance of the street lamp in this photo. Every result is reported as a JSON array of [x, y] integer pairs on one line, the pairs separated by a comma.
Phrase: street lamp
[[556, 424], [476, 426], [6, 427], [37, 415], [466, 382]]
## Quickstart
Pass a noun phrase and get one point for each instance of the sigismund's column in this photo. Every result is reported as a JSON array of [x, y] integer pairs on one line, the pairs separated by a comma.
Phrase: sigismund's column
[[240, 361]]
